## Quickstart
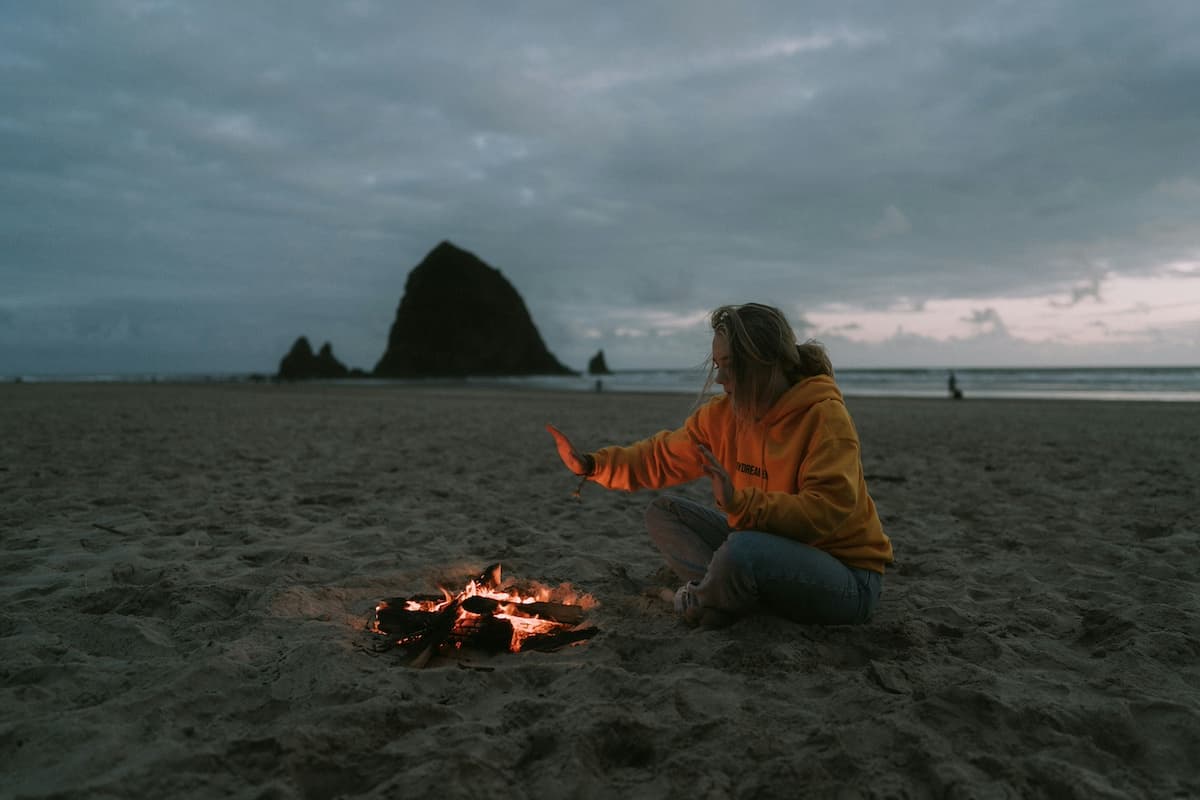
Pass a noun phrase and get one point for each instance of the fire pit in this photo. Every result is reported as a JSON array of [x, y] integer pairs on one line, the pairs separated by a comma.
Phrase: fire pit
[[481, 616]]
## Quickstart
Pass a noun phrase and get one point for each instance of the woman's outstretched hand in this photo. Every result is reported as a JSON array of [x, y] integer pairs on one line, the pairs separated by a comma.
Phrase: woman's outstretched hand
[[722, 486], [571, 458]]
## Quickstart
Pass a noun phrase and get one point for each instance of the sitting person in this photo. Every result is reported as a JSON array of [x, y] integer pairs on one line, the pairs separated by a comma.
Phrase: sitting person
[[794, 531]]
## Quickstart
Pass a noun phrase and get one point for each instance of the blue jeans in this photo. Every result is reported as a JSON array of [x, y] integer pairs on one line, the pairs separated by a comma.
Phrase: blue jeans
[[741, 571]]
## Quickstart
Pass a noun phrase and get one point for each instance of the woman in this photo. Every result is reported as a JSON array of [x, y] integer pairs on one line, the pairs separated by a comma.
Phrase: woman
[[796, 532]]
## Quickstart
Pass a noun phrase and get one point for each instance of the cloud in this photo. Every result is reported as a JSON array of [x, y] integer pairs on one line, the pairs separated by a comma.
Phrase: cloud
[[1091, 289], [987, 320], [304, 157], [1184, 269], [893, 223], [1182, 188]]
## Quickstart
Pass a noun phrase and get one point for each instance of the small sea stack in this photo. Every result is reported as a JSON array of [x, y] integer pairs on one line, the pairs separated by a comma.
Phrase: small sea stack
[[598, 366], [302, 364]]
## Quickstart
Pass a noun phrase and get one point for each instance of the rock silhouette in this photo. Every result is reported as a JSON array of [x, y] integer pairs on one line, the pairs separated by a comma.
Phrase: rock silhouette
[[302, 364], [459, 317], [597, 365]]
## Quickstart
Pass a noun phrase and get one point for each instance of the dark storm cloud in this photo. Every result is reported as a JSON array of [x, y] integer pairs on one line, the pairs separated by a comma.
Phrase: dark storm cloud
[[280, 162]]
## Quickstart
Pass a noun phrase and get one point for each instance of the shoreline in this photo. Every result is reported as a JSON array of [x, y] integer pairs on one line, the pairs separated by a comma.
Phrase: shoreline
[[483, 385]]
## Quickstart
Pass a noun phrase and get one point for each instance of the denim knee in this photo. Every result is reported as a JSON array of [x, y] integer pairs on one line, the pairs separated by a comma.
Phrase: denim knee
[[660, 507], [660, 517], [734, 571], [740, 552]]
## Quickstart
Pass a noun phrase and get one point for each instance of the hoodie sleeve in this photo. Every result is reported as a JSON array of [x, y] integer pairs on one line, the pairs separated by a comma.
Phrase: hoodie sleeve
[[667, 458], [830, 487]]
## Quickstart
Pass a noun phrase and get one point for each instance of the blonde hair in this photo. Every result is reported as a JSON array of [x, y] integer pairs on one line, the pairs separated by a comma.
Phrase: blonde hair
[[763, 352]]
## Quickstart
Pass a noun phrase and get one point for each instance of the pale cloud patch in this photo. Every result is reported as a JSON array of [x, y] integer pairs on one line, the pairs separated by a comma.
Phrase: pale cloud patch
[[1180, 189], [892, 223], [675, 68], [1091, 289], [237, 130], [632, 338], [1162, 307], [661, 321], [497, 149], [986, 320], [787, 47], [1183, 269]]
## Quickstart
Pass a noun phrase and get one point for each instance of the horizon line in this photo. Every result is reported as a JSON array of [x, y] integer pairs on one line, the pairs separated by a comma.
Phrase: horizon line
[[63, 375]]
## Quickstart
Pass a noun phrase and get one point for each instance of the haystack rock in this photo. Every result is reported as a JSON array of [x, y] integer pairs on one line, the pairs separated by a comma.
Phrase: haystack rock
[[597, 365], [301, 364], [461, 317]]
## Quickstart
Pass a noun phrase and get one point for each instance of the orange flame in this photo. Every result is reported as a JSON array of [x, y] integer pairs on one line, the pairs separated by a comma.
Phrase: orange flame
[[523, 625]]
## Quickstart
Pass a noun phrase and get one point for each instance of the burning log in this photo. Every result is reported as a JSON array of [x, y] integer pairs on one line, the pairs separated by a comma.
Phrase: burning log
[[443, 623], [480, 616], [558, 612]]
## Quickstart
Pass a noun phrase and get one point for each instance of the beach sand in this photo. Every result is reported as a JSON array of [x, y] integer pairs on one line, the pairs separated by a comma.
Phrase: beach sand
[[185, 572]]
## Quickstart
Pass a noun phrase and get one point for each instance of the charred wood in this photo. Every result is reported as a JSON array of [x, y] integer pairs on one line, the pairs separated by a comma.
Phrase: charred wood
[[555, 612], [437, 633], [546, 642]]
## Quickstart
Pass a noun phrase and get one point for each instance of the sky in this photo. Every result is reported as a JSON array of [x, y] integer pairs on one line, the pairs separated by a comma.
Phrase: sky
[[189, 187]]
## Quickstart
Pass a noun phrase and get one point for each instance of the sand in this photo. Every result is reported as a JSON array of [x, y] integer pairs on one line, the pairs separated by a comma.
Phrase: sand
[[186, 571]]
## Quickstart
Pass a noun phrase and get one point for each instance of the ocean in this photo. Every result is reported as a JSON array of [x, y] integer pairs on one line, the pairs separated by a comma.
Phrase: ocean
[[1162, 384]]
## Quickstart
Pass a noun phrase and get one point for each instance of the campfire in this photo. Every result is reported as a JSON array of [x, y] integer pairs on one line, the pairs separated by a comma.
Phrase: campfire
[[481, 616]]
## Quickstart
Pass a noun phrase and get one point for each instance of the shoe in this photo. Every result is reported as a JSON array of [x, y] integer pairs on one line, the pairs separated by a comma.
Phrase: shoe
[[687, 602]]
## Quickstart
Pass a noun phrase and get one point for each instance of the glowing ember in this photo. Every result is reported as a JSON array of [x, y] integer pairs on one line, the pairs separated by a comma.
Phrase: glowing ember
[[481, 615]]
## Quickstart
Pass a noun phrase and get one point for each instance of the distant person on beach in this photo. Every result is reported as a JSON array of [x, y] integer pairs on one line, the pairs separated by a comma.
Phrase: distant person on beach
[[952, 385], [795, 531]]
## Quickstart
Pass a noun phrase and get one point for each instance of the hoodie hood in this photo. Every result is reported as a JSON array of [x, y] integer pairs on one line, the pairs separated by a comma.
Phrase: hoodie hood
[[803, 396]]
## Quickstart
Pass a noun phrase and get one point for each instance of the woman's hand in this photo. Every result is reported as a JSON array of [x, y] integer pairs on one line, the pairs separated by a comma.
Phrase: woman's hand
[[567, 452], [722, 486]]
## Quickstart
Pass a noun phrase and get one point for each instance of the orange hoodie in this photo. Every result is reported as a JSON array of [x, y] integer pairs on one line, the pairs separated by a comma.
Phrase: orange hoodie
[[796, 472]]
